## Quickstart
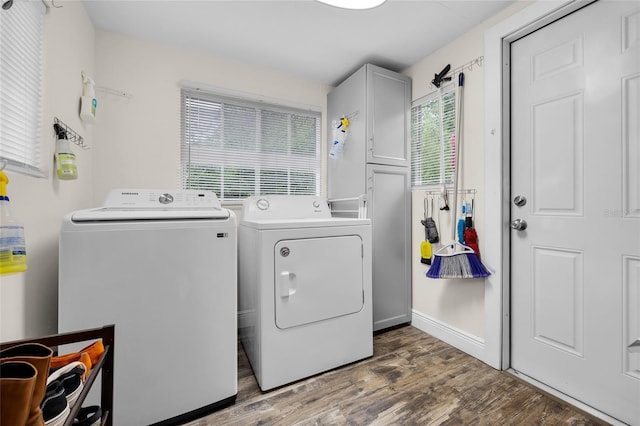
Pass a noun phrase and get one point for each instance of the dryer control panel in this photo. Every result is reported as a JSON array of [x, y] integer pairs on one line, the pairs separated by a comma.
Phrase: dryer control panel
[[285, 207]]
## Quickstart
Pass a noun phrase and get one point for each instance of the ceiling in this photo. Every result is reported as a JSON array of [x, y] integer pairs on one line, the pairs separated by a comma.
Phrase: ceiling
[[302, 38]]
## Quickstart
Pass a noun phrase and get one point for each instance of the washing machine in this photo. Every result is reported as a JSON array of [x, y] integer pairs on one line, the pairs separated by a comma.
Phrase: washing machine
[[161, 266], [304, 288]]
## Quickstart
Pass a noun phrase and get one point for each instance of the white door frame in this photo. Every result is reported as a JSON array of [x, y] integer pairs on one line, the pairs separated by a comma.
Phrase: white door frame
[[496, 254]]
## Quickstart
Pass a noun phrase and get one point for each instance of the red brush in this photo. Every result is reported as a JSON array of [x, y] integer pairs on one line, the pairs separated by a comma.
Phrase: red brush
[[471, 240]]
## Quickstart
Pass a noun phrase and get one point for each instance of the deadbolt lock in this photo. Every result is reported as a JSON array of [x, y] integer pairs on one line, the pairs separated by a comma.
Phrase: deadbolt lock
[[519, 200]]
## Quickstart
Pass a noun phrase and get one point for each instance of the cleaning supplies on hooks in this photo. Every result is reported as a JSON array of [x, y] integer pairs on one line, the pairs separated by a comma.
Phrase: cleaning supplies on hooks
[[66, 168], [13, 252], [457, 260], [88, 101], [444, 199], [426, 251], [339, 135], [470, 234], [462, 225], [429, 224]]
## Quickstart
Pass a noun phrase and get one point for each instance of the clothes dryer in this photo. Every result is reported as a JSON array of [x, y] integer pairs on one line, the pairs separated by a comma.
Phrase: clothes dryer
[[161, 266], [304, 288]]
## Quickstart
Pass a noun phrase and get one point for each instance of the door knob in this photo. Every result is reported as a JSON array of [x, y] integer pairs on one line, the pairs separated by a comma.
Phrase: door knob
[[519, 224]]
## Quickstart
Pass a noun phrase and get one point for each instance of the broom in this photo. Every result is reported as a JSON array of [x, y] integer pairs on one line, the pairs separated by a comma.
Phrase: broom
[[457, 260]]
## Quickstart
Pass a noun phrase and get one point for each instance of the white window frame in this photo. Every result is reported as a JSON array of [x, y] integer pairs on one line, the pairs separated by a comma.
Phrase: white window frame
[[21, 87], [259, 160], [418, 159]]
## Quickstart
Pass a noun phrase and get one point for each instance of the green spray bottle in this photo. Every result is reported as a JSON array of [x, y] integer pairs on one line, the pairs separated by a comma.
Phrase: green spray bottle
[[66, 167]]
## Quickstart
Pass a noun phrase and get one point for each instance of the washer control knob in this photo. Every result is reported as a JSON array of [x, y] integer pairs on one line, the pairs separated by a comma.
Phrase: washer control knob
[[165, 199], [262, 204]]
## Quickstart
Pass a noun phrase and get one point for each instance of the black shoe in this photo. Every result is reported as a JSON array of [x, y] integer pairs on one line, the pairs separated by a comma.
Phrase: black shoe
[[70, 376], [88, 416], [55, 408]]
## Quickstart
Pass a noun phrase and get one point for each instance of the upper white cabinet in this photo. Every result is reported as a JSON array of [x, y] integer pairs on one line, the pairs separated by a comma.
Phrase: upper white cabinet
[[388, 104]]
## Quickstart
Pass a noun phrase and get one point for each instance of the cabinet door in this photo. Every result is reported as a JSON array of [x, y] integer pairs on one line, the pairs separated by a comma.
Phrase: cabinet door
[[388, 109], [347, 172], [389, 211]]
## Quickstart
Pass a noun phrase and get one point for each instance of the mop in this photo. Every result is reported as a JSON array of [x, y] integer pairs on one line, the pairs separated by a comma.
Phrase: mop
[[457, 260]]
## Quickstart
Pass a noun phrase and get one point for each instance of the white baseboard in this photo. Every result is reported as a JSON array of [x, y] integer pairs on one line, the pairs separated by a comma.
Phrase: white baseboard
[[472, 345]]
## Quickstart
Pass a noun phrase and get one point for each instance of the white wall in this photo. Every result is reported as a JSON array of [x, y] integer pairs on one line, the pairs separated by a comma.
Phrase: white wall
[[455, 305], [138, 140], [29, 300]]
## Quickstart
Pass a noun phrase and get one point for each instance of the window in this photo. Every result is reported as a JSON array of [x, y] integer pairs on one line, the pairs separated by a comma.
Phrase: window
[[433, 122], [21, 58], [239, 148]]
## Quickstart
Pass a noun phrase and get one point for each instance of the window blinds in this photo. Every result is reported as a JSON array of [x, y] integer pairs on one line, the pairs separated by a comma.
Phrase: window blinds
[[433, 121], [239, 148], [21, 52]]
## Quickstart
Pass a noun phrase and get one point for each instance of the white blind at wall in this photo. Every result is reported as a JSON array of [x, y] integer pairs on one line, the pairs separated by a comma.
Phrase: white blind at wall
[[21, 53], [239, 148], [433, 121]]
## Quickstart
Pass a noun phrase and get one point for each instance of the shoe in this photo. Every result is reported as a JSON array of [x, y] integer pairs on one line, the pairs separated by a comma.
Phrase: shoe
[[88, 416], [89, 356], [17, 381], [70, 377], [55, 408], [40, 357]]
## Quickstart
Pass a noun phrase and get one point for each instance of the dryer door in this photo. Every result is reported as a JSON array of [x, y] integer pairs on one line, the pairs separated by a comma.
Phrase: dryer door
[[317, 279]]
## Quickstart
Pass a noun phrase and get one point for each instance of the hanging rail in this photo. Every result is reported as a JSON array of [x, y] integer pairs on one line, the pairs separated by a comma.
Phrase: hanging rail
[[450, 191], [360, 211], [127, 96], [72, 135], [477, 62]]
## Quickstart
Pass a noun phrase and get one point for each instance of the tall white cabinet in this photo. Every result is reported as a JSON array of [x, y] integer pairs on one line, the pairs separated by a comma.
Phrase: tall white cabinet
[[375, 161]]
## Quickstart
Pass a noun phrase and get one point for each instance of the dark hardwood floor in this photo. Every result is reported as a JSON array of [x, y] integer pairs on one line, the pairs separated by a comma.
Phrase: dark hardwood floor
[[412, 379]]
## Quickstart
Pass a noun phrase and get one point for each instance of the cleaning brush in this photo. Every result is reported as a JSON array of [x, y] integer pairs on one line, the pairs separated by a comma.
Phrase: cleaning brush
[[426, 251]]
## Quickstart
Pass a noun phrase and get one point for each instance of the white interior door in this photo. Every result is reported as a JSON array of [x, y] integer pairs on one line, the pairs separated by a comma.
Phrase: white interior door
[[575, 146]]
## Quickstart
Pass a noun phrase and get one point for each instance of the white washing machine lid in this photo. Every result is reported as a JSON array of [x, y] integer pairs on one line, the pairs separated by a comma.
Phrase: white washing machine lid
[[148, 204], [303, 223], [114, 214]]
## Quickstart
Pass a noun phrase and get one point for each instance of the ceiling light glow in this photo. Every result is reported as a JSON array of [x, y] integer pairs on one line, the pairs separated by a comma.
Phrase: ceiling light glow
[[354, 4]]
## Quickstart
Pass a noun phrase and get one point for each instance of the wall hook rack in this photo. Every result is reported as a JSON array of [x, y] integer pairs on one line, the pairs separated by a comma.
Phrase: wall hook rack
[[127, 96], [452, 73], [72, 135], [450, 191]]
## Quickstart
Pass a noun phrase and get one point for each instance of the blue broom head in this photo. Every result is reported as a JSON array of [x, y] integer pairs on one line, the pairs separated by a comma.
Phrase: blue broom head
[[434, 270], [458, 265], [478, 270]]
